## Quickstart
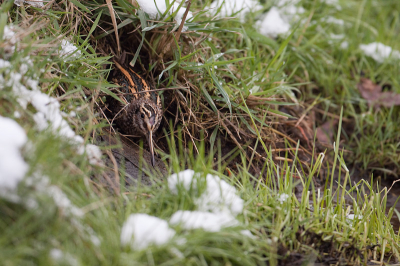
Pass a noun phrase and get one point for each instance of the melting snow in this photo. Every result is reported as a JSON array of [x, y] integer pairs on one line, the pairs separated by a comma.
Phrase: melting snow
[[283, 197], [156, 7], [217, 205], [37, 3], [184, 178], [278, 19], [379, 52], [212, 222], [273, 24], [48, 109], [141, 230], [333, 20], [60, 258], [219, 197], [239, 8], [68, 48], [12, 165]]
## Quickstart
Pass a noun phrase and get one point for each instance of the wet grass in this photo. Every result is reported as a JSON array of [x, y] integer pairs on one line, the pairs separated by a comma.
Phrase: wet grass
[[216, 77]]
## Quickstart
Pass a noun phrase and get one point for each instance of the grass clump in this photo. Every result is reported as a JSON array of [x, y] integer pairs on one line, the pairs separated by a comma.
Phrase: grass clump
[[238, 105]]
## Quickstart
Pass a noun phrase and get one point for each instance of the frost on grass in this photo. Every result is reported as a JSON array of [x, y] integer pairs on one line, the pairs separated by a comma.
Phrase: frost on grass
[[279, 18], [237, 8], [217, 206], [155, 8], [141, 230], [379, 52], [12, 165], [48, 115]]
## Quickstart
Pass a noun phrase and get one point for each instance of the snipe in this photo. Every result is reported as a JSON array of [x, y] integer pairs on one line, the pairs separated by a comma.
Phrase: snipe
[[141, 113]]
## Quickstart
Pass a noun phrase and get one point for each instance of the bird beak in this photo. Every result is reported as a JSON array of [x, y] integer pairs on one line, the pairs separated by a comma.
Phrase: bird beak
[[151, 147]]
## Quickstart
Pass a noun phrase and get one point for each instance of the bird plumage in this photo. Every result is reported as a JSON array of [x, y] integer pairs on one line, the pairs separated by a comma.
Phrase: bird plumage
[[140, 112]]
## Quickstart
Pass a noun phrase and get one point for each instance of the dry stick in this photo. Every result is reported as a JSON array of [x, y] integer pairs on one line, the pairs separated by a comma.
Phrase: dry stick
[[114, 21]]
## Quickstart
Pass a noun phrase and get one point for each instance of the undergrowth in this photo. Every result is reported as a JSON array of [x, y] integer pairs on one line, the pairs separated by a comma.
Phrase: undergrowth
[[223, 84]]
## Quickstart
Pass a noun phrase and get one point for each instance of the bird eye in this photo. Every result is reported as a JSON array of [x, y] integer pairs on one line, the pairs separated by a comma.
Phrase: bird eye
[[142, 115]]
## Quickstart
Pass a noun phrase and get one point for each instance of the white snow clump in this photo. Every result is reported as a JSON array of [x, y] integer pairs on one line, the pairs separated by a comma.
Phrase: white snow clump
[[217, 206], [379, 52], [278, 19], [155, 8], [239, 8], [141, 230], [34, 3], [12, 165]]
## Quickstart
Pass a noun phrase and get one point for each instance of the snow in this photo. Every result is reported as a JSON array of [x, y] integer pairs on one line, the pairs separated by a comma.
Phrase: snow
[[379, 52], [9, 34], [273, 24], [67, 48], [344, 45], [219, 197], [12, 165], [155, 8], [353, 216], [217, 206], [62, 258], [283, 197], [239, 8], [94, 154], [185, 179], [332, 20], [48, 115], [212, 222], [35, 3], [141, 230], [278, 19]]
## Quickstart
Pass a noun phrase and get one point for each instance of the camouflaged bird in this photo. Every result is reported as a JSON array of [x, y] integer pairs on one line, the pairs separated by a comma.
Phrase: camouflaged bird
[[141, 113]]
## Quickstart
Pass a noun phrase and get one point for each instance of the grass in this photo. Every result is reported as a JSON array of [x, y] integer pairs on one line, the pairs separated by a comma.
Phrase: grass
[[286, 76]]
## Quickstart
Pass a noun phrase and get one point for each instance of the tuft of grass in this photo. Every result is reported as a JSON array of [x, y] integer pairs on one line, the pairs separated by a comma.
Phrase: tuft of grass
[[233, 84]]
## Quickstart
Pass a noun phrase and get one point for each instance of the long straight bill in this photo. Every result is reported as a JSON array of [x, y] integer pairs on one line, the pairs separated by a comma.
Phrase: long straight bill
[[151, 148]]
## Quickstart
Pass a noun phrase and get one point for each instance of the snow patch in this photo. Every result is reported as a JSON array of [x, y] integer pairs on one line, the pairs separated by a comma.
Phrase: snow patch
[[141, 230], [332, 20], [155, 8], [219, 197], [344, 45], [273, 24], [282, 198], [67, 48], [379, 52], [61, 258], [217, 206], [48, 109], [35, 3], [239, 8], [185, 178], [278, 19], [12, 165], [212, 222]]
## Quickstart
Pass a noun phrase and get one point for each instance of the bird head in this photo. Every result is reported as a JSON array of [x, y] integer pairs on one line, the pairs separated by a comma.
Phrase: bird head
[[148, 122]]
